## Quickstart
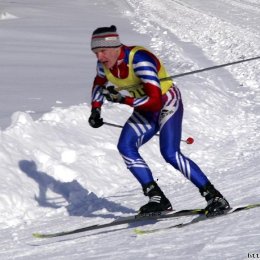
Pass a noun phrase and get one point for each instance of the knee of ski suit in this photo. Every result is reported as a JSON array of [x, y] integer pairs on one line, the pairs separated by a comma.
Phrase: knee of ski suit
[[171, 157], [125, 149]]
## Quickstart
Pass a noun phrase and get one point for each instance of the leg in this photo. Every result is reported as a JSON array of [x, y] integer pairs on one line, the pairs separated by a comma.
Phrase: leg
[[170, 137], [139, 129]]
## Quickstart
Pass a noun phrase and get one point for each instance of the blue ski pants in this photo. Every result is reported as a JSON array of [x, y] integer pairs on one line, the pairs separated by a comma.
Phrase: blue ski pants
[[142, 126]]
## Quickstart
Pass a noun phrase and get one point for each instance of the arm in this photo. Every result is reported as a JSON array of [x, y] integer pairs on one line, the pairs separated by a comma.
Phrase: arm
[[97, 98], [99, 81]]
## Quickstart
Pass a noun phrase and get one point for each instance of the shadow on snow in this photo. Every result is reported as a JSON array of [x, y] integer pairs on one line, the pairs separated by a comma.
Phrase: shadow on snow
[[78, 200]]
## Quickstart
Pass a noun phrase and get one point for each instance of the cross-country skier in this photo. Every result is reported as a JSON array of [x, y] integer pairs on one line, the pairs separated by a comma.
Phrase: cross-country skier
[[157, 106]]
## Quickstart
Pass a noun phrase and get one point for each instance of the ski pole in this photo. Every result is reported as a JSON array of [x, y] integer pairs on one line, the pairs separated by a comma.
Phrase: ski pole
[[171, 77], [189, 140], [208, 68]]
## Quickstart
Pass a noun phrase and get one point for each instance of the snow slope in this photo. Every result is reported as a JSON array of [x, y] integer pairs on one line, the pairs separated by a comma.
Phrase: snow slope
[[58, 173], [45, 59]]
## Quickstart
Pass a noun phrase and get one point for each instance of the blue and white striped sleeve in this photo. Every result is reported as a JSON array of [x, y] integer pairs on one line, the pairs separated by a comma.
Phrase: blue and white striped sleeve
[[145, 67], [100, 79]]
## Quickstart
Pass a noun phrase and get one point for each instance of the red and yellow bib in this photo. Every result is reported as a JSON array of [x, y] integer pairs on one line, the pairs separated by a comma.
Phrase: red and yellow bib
[[132, 84]]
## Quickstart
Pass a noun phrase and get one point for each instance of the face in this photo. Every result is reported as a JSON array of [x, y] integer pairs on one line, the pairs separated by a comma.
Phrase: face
[[107, 56]]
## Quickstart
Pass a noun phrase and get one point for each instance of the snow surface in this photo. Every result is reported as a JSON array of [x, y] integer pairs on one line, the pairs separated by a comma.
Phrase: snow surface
[[58, 173]]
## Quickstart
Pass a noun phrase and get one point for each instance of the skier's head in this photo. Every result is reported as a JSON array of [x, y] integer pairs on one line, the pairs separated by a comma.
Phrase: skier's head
[[106, 45], [105, 37]]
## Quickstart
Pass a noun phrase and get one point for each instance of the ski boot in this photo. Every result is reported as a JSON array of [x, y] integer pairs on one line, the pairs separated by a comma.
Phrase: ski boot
[[157, 200], [217, 204]]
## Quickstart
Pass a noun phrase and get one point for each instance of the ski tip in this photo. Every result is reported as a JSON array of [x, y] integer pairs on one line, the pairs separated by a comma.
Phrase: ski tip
[[251, 206], [139, 231], [144, 232], [38, 235]]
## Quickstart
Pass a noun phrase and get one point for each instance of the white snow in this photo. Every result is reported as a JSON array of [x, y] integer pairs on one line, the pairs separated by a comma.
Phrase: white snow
[[6, 15], [58, 173]]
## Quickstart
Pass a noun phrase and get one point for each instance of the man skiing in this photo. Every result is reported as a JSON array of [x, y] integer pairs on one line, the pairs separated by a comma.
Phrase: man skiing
[[157, 106]]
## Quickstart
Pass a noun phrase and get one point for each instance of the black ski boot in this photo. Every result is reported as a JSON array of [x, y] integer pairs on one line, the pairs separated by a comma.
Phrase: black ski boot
[[217, 204], [157, 200]]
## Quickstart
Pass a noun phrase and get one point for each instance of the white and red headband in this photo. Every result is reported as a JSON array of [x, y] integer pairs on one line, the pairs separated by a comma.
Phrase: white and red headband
[[105, 37]]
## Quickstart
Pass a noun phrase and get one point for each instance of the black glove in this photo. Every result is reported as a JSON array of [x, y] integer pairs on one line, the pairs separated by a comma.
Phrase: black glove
[[112, 95], [95, 120]]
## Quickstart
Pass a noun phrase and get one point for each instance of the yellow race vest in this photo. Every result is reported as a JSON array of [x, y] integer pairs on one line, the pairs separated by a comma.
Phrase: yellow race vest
[[132, 84]]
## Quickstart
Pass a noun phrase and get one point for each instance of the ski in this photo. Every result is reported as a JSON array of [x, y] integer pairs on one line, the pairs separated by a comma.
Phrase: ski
[[125, 220], [200, 218]]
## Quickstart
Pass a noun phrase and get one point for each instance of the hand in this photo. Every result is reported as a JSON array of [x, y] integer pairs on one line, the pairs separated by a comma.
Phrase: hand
[[112, 95], [95, 120]]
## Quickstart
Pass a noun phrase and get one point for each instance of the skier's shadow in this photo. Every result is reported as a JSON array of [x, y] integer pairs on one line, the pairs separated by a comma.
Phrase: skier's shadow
[[77, 200]]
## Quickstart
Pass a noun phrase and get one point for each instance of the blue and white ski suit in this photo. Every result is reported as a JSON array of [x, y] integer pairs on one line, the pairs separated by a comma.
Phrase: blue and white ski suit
[[146, 121]]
